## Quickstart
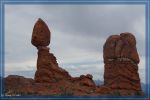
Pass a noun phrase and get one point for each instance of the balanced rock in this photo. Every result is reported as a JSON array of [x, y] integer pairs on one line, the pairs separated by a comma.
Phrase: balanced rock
[[121, 62], [47, 66], [40, 34]]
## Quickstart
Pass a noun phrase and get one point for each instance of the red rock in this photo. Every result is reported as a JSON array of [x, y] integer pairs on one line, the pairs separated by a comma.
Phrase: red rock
[[103, 90], [129, 38], [43, 76], [118, 48], [109, 47], [40, 34], [121, 76], [129, 49], [121, 72], [89, 76], [13, 83], [18, 80], [47, 67], [123, 46], [87, 82]]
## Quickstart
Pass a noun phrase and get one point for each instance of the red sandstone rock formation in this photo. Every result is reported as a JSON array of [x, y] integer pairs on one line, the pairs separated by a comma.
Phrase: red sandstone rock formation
[[85, 80], [47, 66], [48, 70], [121, 63], [120, 78], [40, 34]]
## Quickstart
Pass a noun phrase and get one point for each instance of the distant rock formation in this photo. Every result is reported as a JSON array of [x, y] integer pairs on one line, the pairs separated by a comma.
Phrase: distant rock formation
[[121, 76], [121, 63]]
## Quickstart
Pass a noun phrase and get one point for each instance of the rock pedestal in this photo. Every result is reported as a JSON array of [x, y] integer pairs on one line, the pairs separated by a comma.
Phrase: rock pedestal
[[121, 63]]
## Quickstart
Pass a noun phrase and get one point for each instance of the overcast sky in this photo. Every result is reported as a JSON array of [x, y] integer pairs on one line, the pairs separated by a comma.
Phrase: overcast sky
[[78, 33]]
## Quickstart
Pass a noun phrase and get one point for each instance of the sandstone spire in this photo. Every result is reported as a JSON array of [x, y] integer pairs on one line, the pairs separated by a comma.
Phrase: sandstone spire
[[121, 62], [47, 66]]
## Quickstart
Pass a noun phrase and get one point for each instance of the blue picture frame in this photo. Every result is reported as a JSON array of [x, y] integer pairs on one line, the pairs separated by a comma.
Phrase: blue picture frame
[[72, 2]]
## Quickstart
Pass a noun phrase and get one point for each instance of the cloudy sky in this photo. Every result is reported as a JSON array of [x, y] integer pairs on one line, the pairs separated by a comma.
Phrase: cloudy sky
[[78, 33]]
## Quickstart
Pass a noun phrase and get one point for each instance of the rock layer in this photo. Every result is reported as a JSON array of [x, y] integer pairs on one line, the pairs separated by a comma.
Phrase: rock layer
[[121, 62]]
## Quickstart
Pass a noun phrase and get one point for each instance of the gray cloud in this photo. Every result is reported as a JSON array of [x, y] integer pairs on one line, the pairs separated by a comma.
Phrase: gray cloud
[[78, 34]]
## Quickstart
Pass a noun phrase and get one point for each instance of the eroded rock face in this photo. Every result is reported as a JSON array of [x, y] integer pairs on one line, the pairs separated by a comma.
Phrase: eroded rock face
[[47, 67], [121, 46], [121, 62]]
